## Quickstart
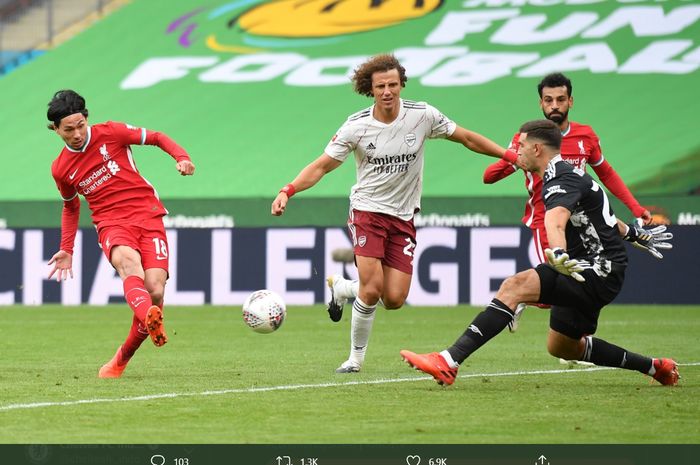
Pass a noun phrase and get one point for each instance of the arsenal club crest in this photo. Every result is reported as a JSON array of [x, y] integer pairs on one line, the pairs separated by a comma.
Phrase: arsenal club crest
[[410, 139]]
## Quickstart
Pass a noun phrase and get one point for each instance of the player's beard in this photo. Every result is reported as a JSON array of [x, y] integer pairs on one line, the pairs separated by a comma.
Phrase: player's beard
[[557, 117]]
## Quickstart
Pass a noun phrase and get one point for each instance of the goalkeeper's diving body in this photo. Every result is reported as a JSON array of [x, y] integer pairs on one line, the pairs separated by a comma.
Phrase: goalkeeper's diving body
[[584, 271], [580, 147]]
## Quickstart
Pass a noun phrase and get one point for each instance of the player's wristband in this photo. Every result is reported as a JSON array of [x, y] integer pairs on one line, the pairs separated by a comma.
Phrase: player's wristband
[[510, 156], [289, 190], [557, 251]]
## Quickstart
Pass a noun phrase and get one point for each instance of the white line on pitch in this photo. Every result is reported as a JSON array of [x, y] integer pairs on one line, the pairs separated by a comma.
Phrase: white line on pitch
[[291, 387]]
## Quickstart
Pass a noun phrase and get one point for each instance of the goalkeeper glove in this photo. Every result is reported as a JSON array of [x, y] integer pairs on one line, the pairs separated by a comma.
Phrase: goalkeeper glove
[[649, 239], [559, 259]]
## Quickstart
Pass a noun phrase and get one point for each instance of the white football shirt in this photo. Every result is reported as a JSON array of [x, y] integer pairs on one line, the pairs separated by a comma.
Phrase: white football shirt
[[389, 157]]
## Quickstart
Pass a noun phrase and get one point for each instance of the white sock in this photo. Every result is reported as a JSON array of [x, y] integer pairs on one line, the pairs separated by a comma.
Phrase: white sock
[[448, 358], [360, 329]]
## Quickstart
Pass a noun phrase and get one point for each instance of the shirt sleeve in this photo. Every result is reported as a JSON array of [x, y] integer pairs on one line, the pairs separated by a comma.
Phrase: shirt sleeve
[[70, 216], [562, 191], [497, 171], [596, 157], [343, 143], [130, 135], [67, 191], [440, 125], [127, 134]]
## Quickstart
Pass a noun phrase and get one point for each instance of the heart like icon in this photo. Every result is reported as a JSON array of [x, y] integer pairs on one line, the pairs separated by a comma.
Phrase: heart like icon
[[413, 460]]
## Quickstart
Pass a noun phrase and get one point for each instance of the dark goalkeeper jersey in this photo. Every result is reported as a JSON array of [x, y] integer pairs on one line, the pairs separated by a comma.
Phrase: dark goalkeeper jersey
[[592, 235]]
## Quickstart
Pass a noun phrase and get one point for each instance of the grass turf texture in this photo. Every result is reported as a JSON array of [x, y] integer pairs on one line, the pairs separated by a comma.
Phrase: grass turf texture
[[52, 354]]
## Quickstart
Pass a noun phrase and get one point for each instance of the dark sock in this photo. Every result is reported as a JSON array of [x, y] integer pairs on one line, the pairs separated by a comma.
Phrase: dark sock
[[485, 326], [603, 353]]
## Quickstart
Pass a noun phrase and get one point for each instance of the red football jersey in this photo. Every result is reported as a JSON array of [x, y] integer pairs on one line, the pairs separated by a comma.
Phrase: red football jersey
[[104, 172], [579, 146]]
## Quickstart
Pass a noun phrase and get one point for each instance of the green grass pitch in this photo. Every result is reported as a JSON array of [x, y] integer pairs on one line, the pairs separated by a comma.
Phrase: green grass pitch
[[216, 381]]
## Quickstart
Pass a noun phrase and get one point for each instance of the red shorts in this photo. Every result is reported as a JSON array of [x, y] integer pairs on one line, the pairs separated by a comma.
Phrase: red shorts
[[147, 237], [383, 236]]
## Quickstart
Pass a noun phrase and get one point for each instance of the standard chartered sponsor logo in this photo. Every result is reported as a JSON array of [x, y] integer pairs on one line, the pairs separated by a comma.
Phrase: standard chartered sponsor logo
[[93, 176], [113, 166], [99, 177]]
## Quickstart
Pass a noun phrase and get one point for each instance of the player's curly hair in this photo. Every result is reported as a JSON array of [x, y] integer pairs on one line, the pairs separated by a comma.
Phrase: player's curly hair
[[555, 80], [64, 103], [544, 130], [362, 79]]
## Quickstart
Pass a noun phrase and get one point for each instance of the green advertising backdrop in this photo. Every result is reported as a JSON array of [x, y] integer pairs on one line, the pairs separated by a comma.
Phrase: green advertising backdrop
[[255, 89]]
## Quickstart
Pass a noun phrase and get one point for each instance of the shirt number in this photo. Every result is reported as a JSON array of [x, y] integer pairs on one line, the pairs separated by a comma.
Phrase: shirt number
[[609, 217], [161, 248]]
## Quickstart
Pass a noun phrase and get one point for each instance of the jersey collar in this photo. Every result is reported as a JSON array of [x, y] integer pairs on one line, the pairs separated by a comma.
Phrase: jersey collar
[[85, 145], [550, 170], [567, 130]]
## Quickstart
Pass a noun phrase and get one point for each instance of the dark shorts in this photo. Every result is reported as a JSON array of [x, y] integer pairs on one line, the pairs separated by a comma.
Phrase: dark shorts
[[382, 236], [576, 306], [146, 237]]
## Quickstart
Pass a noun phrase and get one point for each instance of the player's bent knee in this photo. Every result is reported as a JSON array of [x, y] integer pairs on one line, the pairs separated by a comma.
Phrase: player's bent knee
[[156, 290], [556, 349], [391, 304], [520, 287], [370, 293], [156, 296]]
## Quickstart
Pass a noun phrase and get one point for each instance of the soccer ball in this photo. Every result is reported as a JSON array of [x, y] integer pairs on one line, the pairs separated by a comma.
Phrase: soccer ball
[[264, 311]]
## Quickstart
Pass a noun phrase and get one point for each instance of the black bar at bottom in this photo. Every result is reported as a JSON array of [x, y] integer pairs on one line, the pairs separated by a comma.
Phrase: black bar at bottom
[[348, 454]]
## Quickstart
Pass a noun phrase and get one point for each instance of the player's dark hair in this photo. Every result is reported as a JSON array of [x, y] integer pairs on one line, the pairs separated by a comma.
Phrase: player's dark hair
[[64, 103], [555, 80], [362, 79], [545, 131]]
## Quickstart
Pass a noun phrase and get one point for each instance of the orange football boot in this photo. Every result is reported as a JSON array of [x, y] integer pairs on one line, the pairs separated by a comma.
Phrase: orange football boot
[[113, 369], [433, 364], [666, 371], [154, 325]]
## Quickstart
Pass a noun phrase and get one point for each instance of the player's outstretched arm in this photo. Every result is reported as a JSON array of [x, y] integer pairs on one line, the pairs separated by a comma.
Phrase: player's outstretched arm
[[476, 142], [482, 144], [650, 240], [62, 260], [614, 183], [497, 171], [307, 178], [502, 168], [183, 164]]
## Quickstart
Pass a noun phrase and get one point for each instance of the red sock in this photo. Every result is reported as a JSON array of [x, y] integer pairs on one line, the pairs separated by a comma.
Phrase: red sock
[[137, 334], [137, 296]]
